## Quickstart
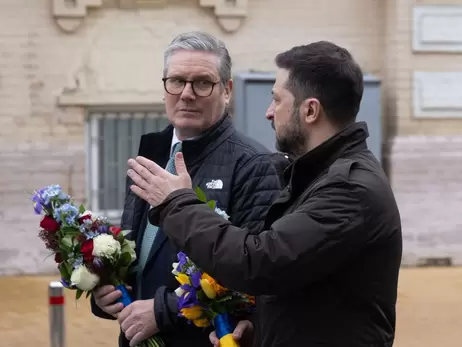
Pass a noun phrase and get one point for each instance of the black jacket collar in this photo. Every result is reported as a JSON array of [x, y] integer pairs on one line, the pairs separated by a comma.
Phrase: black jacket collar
[[307, 167], [156, 146]]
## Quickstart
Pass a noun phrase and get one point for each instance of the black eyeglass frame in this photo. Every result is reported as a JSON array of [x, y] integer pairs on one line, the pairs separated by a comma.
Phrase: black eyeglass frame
[[213, 84]]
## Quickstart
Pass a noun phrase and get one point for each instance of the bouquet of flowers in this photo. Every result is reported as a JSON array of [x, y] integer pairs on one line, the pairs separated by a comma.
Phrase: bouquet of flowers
[[203, 301], [89, 251]]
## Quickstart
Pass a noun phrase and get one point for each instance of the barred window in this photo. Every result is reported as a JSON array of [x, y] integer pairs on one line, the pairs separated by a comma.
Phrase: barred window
[[113, 138]]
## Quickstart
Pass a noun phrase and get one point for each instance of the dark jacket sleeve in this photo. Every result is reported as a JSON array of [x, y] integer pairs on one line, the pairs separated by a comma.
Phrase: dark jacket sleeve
[[256, 186], [298, 249]]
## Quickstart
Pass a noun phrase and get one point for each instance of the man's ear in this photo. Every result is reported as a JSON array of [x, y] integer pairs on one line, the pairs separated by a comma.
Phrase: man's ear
[[228, 92], [310, 110]]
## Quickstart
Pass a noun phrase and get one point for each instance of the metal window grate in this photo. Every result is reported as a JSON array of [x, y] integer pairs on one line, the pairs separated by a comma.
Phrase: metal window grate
[[112, 138]]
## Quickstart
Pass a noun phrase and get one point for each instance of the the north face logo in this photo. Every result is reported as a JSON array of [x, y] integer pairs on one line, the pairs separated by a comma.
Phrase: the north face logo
[[214, 184]]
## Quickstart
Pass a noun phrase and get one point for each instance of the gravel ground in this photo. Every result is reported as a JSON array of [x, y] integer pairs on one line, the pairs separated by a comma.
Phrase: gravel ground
[[429, 312]]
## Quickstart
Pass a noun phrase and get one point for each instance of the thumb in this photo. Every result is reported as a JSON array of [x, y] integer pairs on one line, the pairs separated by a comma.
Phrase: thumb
[[180, 165]]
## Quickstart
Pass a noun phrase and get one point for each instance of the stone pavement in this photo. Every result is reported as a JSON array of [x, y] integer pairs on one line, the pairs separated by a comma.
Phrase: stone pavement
[[429, 312]]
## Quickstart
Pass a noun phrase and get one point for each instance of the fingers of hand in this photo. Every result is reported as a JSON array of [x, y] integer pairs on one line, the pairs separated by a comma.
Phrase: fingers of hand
[[130, 331], [113, 309], [124, 315], [137, 179], [139, 192], [143, 170], [138, 338], [109, 298], [248, 325], [125, 322], [241, 328], [151, 167], [180, 165], [214, 339], [102, 291]]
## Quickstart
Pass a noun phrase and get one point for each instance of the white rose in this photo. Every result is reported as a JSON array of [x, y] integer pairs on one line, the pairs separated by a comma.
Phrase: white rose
[[105, 246], [84, 279]]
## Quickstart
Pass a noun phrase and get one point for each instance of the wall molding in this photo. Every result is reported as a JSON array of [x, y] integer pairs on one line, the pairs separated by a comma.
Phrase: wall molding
[[437, 28], [69, 16], [230, 13], [437, 94]]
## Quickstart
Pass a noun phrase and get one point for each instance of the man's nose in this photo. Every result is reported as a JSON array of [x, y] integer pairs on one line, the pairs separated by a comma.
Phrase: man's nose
[[188, 92], [270, 112]]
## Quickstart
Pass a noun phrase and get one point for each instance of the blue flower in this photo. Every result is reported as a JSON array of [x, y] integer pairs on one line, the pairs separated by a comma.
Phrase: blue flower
[[196, 279], [67, 213], [48, 197], [85, 229], [189, 297], [182, 260], [103, 229], [39, 201], [91, 234]]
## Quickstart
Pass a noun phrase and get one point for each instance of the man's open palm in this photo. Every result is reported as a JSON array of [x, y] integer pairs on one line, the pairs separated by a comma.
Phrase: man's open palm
[[154, 184]]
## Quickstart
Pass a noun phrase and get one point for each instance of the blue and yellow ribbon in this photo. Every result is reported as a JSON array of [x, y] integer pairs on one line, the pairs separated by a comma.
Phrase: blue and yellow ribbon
[[224, 331]]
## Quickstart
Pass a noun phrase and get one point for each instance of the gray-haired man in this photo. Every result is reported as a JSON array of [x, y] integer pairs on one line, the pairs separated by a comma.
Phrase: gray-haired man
[[236, 171]]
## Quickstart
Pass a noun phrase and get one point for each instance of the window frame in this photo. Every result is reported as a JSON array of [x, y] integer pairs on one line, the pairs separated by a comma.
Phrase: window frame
[[92, 151]]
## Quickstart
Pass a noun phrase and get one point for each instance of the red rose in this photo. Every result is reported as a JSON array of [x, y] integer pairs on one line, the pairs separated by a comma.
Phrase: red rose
[[49, 224], [115, 230], [58, 258], [84, 218], [87, 250]]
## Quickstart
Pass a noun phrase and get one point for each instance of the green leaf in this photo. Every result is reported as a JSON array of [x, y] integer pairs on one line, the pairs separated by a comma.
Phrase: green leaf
[[123, 272], [65, 270], [212, 204], [87, 295], [223, 299], [78, 294], [125, 259], [67, 242], [200, 194], [120, 237], [81, 209], [70, 231]]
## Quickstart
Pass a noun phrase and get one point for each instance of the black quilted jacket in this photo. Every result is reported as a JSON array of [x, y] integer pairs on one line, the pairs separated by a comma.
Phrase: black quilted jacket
[[236, 171]]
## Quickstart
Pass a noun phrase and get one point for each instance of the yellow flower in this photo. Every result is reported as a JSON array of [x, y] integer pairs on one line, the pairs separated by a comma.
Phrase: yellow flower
[[201, 322], [210, 283], [208, 289], [183, 279], [191, 313]]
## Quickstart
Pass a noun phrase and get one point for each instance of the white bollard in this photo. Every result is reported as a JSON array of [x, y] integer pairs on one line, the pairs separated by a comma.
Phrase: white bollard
[[56, 314]]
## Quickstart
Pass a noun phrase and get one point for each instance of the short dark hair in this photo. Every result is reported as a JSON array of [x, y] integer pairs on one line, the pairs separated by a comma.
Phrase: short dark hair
[[327, 72]]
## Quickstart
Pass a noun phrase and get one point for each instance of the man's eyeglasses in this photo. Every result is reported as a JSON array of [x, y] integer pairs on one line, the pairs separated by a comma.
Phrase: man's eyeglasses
[[175, 86]]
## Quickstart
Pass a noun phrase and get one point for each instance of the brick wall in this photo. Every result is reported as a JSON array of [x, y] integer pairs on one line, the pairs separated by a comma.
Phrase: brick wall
[[424, 154], [116, 57]]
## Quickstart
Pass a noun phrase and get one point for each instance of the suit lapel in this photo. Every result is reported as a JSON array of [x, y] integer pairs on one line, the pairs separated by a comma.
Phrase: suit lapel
[[158, 243], [155, 147]]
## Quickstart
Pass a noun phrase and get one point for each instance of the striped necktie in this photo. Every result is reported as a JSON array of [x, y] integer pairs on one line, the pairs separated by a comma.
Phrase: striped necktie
[[151, 230]]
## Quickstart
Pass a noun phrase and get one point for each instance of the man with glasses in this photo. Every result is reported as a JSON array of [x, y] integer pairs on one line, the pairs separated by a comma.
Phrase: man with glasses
[[232, 169]]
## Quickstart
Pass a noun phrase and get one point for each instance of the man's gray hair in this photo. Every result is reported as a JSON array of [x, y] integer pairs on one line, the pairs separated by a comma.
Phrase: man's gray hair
[[201, 41]]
